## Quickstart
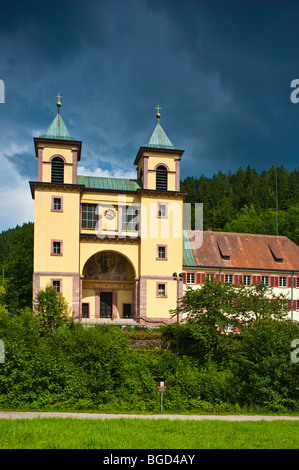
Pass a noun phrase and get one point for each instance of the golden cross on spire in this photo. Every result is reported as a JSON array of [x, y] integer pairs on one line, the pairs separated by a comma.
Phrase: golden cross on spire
[[158, 115], [58, 102]]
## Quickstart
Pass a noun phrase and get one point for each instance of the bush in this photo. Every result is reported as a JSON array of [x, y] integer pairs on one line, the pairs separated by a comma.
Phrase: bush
[[262, 367], [93, 368]]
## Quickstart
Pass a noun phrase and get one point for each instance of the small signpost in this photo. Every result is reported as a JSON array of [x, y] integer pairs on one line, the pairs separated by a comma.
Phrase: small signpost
[[161, 387]]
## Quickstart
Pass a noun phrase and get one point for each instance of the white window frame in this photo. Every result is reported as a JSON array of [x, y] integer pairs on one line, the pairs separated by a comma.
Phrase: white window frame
[[190, 278], [247, 280], [282, 281]]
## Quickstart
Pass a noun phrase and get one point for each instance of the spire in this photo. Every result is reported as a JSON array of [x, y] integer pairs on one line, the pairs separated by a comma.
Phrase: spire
[[58, 129], [159, 138]]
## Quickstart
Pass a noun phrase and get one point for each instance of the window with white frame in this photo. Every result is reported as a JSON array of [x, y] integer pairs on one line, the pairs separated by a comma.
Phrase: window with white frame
[[161, 252], [229, 328], [56, 204], [297, 282], [130, 219], [161, 290], [57, 286], [265, 280], [56, 247], [297, 305], [210, 277], [282, 282], [190, 278], [89, 216], [229, 278], [247, 280], [162, 210]]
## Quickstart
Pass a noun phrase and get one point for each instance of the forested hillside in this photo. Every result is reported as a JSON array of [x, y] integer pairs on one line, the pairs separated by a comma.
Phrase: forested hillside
[[16, 256], [246, 201]]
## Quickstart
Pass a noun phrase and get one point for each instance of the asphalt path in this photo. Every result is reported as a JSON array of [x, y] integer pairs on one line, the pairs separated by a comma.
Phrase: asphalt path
[[102, 416]]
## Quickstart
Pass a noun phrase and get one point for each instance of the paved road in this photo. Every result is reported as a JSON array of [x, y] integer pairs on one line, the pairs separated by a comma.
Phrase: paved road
[[50, 414]]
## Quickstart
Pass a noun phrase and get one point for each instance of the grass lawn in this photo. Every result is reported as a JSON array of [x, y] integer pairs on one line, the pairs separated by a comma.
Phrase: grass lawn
[[68, 433]]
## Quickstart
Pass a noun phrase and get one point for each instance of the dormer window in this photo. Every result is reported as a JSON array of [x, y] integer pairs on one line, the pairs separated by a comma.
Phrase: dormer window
[[57, 170], [224, 250], [161, 177], [275, 251]]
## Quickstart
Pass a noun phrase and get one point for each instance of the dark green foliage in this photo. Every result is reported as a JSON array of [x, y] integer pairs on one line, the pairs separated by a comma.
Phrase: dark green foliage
[[52, 309], [246, 202], [263, 370], [93, 368], [16, 254]]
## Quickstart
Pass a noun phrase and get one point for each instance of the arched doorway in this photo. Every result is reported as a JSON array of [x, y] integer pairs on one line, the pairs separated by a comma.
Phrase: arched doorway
[[108, 286]]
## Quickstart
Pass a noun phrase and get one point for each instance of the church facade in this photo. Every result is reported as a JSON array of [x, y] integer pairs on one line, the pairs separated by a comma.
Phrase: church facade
[[110, 246]]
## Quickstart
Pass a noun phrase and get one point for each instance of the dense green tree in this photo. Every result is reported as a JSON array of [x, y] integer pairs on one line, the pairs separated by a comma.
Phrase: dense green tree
[[219, 304], [52, 309], [226, 198], [17, 258], [263, 370]]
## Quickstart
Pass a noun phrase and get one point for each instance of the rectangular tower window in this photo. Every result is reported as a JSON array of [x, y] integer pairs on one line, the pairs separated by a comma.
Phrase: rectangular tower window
[[161, 290], [161, 252], [162, 210], [56, 204], [57, 285], [56, 247]]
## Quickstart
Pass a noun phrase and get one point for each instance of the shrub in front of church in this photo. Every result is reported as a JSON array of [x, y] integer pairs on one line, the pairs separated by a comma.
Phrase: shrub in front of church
[[74, 367]]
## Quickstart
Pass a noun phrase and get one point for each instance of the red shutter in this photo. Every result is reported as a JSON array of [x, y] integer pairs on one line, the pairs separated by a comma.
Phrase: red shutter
[[254, 281], [258, 279], [184, 278], [289, 282], [217, 277], [236, 279], [274, 282], [294, 281], [222, 277], [289, 305], [198, 278], [203, 277]]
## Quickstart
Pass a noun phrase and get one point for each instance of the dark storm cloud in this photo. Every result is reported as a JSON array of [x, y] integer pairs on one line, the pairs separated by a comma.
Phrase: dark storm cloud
[[24, 164], [220, 70]]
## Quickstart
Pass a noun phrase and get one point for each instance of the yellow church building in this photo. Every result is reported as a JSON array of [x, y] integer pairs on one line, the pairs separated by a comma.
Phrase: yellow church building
[[110, 246]]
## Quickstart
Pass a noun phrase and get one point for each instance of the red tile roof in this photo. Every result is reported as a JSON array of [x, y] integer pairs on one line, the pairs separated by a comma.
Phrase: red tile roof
[[245, 250]]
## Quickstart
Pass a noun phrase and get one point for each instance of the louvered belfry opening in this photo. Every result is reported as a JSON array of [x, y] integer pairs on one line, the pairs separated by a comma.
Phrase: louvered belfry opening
[[57, 170], [161, 177]]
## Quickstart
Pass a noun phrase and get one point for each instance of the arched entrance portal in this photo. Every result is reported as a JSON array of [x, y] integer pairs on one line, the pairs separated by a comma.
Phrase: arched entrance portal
[[108, 286]]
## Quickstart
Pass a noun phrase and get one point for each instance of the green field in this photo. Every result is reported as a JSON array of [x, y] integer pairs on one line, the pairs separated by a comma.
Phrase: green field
[[68, 433]]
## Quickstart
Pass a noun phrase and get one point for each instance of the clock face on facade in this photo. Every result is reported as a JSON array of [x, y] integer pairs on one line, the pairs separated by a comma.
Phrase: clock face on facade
[[109, 214]]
